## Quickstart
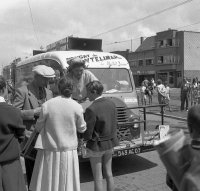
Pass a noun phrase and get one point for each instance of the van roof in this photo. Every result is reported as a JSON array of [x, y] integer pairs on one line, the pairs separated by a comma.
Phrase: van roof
[[93, 59]]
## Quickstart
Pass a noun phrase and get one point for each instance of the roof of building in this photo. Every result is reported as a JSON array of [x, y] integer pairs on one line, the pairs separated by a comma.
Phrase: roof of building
[[147, 44]]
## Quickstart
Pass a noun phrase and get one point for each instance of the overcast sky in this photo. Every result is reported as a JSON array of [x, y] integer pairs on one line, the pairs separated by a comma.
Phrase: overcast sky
[[29, 24]]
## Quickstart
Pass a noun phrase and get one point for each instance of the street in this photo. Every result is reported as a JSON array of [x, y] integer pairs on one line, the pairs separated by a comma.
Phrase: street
[[143, 172]]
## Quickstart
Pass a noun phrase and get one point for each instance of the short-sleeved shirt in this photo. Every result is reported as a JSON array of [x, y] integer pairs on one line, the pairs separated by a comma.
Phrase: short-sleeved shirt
[[79, 86]]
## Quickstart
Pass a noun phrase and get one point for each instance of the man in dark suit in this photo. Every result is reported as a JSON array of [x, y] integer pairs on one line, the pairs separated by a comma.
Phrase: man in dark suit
[[101, 119], [29, 99], [11, 133]]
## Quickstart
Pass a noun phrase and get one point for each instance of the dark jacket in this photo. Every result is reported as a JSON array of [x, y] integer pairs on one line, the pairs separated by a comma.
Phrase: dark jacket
[[101, 119], [11, 131]]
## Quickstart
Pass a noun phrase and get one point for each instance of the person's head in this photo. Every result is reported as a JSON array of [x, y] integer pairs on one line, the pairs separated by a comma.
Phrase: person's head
[[65, 87], [42, 74], [193, 120], [184, 80], [76, 67], [2, 86], [165, 83], [94, 90], [159, 81], [142, 84], [194, 80]]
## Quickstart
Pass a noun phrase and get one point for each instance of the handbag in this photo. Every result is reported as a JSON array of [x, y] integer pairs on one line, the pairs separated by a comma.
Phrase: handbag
[[28, 150]]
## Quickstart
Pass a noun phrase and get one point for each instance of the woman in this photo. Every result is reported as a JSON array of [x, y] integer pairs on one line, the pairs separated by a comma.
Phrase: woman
[[161, 93], [80, 77], [143, 94], [56, 166], [101, 119]]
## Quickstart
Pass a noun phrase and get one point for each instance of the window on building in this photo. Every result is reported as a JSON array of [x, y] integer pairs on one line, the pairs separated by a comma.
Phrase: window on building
[[133, 63], [169, 42], [160, 59], [160, 43], [149, 61], [140, 62], [178, 74]]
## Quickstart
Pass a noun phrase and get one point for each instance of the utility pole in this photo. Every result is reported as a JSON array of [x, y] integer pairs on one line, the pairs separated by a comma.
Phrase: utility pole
[[131, 44]]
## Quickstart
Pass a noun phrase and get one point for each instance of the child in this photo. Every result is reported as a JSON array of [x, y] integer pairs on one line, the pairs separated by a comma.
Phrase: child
[[101, 134]]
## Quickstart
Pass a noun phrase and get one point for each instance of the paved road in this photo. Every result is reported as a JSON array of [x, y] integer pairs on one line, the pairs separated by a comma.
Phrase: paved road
[[143, 172]]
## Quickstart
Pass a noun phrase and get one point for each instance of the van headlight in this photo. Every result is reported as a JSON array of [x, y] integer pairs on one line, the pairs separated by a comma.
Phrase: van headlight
[[133, 119]]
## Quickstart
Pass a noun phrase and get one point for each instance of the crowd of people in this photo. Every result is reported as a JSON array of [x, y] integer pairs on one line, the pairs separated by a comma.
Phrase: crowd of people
[[150, 88], [189, 93], [56, 119]]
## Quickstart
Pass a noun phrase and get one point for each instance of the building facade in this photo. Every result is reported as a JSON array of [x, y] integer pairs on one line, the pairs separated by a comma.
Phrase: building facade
[[171, 55]]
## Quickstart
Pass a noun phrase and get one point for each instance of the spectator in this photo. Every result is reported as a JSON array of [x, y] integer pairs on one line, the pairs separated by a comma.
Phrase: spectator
[[101, 134], [143, 94], [153, 84], [167, 98], [146, 82], [57, 167], [29, 99], [80, 77], [11, 133], [194, 92], [185, 91]]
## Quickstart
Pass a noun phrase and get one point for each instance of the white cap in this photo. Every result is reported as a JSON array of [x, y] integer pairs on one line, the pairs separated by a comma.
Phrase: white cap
[[44, 71]]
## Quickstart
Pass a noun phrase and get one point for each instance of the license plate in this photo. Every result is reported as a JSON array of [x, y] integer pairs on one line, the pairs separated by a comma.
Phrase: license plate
[[129, 151]]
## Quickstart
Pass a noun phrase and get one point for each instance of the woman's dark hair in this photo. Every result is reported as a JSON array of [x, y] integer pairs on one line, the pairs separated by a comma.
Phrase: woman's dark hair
[[95, 86], [74, 63], [159, 81], [2, 82], [65, 87]]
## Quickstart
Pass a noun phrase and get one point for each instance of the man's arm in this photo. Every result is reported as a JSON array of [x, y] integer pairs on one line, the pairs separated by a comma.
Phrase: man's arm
[[19, 100], [90, 120]]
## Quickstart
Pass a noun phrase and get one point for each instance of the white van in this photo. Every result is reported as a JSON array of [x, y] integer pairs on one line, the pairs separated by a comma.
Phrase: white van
[[114, 73]]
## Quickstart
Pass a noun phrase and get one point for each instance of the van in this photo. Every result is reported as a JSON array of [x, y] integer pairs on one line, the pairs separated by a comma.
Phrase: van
[[113, 71]]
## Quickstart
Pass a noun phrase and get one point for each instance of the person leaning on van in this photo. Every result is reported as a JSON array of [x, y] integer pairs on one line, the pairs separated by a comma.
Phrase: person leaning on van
[[80, 77], [29, 99]]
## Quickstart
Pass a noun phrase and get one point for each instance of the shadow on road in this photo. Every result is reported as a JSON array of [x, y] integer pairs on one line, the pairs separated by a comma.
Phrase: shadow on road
[[131, 164], [121, 166]]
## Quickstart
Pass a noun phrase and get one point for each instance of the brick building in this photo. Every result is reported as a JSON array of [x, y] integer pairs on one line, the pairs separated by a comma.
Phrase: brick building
[[169, 55]]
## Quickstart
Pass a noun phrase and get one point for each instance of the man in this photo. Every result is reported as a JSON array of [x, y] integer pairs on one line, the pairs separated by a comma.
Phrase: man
[[101, 134], [11, 133], [185, 92], [29, 99], [181, 156], [80, 77], [190, 179]]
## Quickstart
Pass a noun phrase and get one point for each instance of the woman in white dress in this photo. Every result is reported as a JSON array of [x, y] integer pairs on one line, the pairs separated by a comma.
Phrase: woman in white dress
[[56, 166]]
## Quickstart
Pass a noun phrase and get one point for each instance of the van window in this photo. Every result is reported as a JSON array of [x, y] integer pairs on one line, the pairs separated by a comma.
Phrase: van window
[[114, 80]]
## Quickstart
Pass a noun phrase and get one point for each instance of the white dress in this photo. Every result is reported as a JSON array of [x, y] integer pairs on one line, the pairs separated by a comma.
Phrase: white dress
[[56, 171], [56, 166]]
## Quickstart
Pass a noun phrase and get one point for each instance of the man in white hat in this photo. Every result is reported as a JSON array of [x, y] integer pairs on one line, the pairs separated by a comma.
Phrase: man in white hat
[[29, 99]]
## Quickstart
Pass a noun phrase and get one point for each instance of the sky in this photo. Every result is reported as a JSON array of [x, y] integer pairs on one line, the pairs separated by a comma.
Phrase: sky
[[27, 25]]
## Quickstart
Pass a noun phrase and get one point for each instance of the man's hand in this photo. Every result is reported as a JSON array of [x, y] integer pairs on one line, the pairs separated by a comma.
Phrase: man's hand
[[37, 111]]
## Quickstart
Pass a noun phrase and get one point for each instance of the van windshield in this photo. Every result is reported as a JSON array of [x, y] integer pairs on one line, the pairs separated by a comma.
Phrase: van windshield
[[114, 80]]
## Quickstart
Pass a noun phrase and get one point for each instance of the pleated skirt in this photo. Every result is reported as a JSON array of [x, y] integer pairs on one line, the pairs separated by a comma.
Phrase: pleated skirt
[[56, 171]]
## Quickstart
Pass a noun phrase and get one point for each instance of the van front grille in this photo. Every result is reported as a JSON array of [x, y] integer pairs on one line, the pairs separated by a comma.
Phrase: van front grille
[[122, 115]]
